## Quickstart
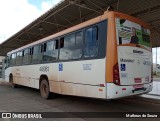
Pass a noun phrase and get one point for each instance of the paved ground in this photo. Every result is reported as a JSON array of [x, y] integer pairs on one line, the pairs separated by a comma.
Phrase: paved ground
[[156, 88], [25, 99]]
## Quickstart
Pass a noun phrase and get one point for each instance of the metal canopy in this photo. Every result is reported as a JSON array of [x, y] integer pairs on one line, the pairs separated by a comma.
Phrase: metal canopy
[[71, 12]]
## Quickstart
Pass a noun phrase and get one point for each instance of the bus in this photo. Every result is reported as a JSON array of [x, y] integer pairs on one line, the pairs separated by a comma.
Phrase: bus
[[107, 57]]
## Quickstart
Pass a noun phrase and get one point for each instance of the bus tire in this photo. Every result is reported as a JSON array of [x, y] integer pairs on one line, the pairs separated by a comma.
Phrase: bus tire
[[11, 81], [44, 88]]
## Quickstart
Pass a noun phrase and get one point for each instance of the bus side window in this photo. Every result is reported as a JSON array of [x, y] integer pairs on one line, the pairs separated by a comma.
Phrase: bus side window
[[37, 55], [19, 58], [67, 45], [13, 59], [41, 48], [44, 47], [27, 56], [91, 42], [61, 42], [51, 53], [78, 45], [31, 50], [6, 61], [57, 44], [30, 55], [71, 46]]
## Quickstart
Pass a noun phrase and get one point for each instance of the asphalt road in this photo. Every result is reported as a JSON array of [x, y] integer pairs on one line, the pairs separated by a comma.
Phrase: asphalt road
[[25, 99]]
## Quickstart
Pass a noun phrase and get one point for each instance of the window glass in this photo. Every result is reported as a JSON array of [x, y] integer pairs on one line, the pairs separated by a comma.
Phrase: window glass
[[13, 59], [71, 47], [91, 42], [78, 46], [50, 45], [66, 45], [27, 56], [44, 47], [51, 53], [36, 50], [79, 39], [61, 42], [19, 58], [26, 52], [7, 62], [37, 55]]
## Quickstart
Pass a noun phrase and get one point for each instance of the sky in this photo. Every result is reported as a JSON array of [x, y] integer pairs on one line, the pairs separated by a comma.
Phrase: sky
[[16, 14]]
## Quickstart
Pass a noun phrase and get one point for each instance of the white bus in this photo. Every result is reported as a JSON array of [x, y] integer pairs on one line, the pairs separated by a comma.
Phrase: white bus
[[107, 57]]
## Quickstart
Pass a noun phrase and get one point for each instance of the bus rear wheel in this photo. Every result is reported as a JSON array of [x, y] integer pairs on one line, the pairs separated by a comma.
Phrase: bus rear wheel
[[11, 81], [44, 89]]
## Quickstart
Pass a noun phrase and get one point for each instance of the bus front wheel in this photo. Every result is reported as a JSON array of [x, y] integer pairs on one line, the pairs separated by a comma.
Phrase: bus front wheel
[[44, 88]]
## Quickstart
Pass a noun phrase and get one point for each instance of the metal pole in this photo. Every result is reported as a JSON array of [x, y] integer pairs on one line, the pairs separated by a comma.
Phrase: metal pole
[[156, 60]]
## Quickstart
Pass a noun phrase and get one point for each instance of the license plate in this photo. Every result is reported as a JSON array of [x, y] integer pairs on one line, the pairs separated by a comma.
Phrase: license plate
[[138, 86]]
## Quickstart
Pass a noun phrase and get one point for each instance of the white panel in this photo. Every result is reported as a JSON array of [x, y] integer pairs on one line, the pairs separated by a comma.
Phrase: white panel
[[85, 72], [136, 65], [84, 90], [81, 78]]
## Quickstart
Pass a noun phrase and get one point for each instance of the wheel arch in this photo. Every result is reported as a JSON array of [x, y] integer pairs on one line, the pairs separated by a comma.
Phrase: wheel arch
[[41, 77]]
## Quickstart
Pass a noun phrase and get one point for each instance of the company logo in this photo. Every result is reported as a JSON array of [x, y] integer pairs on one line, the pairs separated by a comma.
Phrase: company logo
[[136, 51], [6, 115], [148, 63], [127, 60]]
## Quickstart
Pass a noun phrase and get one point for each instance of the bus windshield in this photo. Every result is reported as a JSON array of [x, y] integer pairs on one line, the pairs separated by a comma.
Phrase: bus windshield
[[130, 32]]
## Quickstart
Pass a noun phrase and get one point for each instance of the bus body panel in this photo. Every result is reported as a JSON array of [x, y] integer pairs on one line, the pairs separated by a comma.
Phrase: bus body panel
[[124, 91], [134, 65], [87, 74], [81, 78]]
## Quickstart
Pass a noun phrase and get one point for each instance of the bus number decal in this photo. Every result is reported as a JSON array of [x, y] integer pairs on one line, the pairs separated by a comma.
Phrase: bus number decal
[[44, 69], [87, 66]]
